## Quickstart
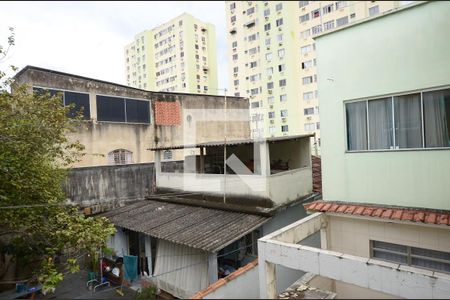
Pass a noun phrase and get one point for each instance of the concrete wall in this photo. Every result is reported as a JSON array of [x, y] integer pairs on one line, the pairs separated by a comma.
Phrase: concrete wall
[[399, 52], [352, 236], [279, 188], [100, 137], [109, 185], [243, 287]]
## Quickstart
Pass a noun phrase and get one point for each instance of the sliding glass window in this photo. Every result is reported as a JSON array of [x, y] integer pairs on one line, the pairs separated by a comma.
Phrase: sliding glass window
[[411, 121], [436, 113]]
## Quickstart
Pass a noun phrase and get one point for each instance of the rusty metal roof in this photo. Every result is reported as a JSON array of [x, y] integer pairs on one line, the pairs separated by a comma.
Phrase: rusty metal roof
[[197, 227], [235, 142]]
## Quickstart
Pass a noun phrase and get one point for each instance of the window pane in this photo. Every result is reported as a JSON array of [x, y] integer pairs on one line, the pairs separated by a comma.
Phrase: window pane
[[434, 265], [380, 124], [356, 126], [436, 118], [389, 256], [80, 101], [138, 111], [41, 91], [389, 246], [110, 109], [408, 123], [431, 253]]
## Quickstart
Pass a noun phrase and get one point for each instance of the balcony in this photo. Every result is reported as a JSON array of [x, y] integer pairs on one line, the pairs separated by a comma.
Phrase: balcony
[[260, 170], [342, 273]]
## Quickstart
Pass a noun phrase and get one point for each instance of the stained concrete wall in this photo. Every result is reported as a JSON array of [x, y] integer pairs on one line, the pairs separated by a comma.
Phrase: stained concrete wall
[[100, 137], [108, 186]]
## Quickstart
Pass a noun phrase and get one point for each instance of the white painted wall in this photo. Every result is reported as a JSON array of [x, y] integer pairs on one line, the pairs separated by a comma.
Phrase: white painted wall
[[243, 287], [280, 188], [119, 242]]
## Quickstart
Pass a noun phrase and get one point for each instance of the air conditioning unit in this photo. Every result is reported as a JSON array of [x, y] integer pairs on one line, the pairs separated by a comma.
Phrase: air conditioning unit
[[280, 44], [272, 122], [268, 48], [270, 92], [267, 18], [308, 118], [267, 33], [284, 120], [271, 106], [280, 29], [269, 77], [232, 11]]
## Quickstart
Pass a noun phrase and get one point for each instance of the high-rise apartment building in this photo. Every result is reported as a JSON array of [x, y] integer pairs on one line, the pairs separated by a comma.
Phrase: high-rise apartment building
[[272, 58], [179, 56]]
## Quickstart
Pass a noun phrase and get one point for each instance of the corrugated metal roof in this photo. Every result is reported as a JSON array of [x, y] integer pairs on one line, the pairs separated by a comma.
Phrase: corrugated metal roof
[[198, 227], [235, 142]]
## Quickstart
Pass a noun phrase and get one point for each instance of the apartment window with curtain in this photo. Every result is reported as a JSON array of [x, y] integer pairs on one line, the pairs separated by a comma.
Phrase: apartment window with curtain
[[281, 53], [283, 98], [410, 121], [266, 26]]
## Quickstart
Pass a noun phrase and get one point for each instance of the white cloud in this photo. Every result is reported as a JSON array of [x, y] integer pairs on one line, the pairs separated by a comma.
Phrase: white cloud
[[88, 38]]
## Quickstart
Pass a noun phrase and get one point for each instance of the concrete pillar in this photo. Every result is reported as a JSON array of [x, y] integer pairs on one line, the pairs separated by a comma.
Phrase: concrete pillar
[[202, 160], [148, 253], [271, 280], [264, 157], [212, 268], [157, 163]]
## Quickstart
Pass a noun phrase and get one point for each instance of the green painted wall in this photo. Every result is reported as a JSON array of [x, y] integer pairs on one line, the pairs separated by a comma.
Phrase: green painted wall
[[399, 52]]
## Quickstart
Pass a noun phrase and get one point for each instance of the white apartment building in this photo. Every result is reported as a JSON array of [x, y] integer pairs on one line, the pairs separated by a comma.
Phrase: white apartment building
[[178, 56], [273, 62]]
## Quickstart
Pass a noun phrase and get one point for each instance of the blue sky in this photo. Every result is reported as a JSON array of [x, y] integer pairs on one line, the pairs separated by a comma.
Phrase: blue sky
[[88, 38]]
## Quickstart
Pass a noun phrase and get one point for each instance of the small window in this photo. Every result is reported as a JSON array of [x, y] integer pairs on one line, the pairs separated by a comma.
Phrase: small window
[[281, 53], [315, 13], [270, 85], [282, 82], [328, 8], [279, 22], [283, 98], [374, 11], [284, 113], [341, 21], [266, 12], [302, 3], [304, 18], [167, 155], [284, 128], [266, 26], [279, 6], [120, 157], [281, 68], [308, 111]]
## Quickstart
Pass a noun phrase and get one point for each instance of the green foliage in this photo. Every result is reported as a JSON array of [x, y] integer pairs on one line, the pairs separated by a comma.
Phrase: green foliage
[[36, 225], [147, 293]]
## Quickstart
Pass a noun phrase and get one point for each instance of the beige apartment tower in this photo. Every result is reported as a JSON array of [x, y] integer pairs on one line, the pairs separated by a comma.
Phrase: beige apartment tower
[[273, 62], [177, 56]]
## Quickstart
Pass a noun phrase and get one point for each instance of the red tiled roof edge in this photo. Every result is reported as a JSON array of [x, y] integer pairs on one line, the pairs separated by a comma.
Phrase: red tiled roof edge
[[316, 162], [384, 212], [223, 281]]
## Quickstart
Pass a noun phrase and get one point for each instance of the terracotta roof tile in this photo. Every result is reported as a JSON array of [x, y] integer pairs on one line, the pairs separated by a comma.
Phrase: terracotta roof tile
[[377, 212], [443, 219], [398, 213], [407, 216], [419, 217], [350, 209], [430, 218], [319, 206], [387, 213], [341, 208], [333, 207], [326, 207], [368, 211], [359, 210]]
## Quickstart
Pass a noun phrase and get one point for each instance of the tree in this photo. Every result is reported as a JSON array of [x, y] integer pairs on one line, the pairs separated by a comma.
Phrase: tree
[[38, 228]]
